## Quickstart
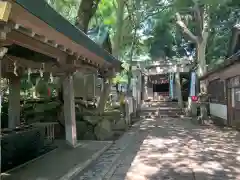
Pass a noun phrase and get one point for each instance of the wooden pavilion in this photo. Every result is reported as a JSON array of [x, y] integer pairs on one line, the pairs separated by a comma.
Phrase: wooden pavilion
[[34, 36]]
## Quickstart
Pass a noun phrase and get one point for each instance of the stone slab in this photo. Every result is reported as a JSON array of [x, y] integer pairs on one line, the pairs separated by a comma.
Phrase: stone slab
[[63, 163]]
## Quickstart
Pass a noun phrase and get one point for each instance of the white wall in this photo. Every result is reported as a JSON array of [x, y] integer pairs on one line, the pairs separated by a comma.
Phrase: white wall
[[218, 110], [150, 92]]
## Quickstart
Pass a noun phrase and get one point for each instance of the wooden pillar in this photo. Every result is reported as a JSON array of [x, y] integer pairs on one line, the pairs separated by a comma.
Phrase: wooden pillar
[[69, 110], [3, 51], [94, 85], [5, 8], [1, 91], [85, 86], [14, 102]]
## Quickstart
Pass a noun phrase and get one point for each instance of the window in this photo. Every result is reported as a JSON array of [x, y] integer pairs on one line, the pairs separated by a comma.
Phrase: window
[[237, 94], [216, 91], [237, 98]]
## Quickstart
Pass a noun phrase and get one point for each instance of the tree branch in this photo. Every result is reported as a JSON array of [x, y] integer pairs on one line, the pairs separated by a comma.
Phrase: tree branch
[[206, 20], [130, 13], [151, 14], [198, 15], [185, 30]]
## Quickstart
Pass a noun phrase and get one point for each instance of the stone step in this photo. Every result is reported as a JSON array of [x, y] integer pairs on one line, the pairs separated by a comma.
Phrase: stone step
[[169, 111], [169, 107]]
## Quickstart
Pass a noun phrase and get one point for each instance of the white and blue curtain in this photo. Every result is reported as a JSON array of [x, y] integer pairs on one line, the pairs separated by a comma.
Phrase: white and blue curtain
[[171, 85], [193, 84]]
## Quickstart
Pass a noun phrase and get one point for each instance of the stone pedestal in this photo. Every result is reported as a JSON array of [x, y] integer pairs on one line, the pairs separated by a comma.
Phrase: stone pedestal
[[14, 102], [192, 107], [69, 111]]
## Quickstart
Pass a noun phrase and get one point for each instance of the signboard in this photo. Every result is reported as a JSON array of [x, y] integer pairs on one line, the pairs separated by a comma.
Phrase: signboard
[[194, 98], [193, 84], [155, 79]]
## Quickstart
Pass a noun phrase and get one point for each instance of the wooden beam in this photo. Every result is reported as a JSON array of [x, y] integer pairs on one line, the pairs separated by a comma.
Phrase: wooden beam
[[26, 63], [25, 41], [71, 60], [5, 43]]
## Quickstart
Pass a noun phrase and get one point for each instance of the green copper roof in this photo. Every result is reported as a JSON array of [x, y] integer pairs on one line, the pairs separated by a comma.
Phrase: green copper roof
[[43, 11]]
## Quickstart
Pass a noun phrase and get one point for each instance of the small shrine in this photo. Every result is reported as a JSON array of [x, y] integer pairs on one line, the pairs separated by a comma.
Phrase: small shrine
[[35, 39]]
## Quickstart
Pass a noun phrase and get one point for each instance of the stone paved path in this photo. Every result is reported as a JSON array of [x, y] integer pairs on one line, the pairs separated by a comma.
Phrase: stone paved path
[[100, 168], [170, 149]]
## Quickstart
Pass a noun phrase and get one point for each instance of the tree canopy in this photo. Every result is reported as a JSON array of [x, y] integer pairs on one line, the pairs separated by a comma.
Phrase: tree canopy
[[152, 29]]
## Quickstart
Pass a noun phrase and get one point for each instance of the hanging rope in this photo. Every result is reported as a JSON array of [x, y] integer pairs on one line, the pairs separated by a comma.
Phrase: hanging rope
[[41, 71], [15, 66]]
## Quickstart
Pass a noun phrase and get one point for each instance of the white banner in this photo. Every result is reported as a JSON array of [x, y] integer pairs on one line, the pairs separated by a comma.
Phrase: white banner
[[193, 84], [171, 86]]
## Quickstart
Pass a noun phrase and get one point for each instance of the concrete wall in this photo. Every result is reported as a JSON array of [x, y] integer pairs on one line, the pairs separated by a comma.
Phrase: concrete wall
[[218, 110], [150, 92]]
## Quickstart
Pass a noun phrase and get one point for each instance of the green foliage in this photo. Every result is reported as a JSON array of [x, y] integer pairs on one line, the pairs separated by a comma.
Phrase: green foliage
[[67, 8], [155, 23], [105, 14], [120, 79], [223, 14], [222, 21]]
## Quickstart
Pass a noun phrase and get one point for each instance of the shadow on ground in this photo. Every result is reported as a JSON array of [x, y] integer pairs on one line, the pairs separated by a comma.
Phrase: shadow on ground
[[174, 149]]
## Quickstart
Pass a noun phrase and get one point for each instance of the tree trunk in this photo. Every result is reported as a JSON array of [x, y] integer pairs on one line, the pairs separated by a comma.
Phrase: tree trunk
[[118, 35], [201, 58], [104, 95], [117, 42], [201, 55], [129, 93], [86, 11], [117, 90], [179, 89]]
